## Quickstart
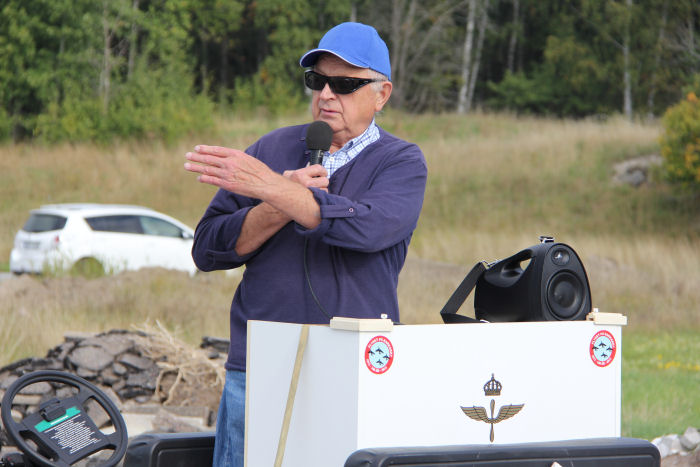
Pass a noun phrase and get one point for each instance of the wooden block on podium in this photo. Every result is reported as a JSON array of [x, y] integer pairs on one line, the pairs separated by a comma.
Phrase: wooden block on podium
[[357, 324], [607, 318]]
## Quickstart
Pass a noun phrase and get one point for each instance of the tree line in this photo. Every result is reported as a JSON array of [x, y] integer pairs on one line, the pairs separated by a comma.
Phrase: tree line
[[98, 69]]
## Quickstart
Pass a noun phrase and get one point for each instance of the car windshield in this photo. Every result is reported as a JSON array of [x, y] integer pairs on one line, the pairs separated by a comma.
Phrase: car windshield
[[44, 223]]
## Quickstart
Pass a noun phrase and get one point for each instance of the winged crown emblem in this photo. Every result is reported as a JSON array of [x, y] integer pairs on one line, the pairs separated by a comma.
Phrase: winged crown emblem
[[492, 387]]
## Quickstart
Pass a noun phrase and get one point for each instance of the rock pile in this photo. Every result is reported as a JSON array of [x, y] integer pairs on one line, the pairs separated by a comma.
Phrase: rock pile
[[635, 171], [151, 377], [687, 444]]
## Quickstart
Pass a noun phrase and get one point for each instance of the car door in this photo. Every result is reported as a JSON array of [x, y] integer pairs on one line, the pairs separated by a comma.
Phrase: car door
[[118, 242], [169, 245]]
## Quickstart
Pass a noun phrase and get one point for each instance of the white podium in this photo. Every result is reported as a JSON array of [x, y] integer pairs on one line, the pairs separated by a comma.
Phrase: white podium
[[428, 385]]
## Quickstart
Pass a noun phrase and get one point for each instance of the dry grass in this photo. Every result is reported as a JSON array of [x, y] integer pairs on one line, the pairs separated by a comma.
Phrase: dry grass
[[653, 281], [37, 312], [126, 174], [496, 183], [140, 172], [495, 174], [184, 372]]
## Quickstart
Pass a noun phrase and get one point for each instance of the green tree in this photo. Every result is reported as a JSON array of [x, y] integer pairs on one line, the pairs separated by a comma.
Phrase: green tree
[[221, 45], [36, 59], [92, 71], [593, 58], [289, 28], [569, 80]]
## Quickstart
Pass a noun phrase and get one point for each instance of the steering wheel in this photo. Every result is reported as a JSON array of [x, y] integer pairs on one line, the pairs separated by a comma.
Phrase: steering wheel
[[61, 430]]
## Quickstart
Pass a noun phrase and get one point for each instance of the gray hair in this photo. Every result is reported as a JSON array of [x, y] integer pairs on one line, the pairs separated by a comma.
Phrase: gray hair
[[377, 85]]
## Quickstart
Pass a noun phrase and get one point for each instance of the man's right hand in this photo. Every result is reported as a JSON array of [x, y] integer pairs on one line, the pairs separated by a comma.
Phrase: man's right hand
[[264, 220], [310, 176]]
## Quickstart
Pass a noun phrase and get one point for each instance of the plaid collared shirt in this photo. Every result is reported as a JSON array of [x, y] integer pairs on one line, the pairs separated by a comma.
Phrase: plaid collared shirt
[[352, 148]]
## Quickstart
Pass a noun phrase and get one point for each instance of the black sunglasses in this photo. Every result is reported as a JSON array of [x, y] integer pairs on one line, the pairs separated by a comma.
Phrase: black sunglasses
[[338, 84]]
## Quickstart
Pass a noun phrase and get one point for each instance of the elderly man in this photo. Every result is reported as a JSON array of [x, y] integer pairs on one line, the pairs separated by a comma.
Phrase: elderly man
[[317, 240]]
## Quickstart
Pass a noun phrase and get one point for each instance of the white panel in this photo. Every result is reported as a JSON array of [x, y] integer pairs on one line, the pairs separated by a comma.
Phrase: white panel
[[271, 354], [342, 406], [438, 368], [324, 426]]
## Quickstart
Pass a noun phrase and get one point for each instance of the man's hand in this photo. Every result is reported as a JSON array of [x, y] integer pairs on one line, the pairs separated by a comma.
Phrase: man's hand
[[236, 171], [310, 176], [230, 169], [240, 173]]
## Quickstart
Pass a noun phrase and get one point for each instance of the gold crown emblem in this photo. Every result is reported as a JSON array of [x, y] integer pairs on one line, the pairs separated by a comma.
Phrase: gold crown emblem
[[492, 387]]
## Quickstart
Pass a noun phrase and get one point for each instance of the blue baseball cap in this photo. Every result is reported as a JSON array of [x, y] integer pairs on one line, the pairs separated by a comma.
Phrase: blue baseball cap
[[356, 43]]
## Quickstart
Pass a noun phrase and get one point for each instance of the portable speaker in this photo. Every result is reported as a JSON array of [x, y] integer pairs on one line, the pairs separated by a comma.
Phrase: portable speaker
[[553, 286]]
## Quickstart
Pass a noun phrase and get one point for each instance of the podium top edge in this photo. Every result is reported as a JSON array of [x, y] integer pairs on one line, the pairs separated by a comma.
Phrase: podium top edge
[[376, 325], [358, 324]]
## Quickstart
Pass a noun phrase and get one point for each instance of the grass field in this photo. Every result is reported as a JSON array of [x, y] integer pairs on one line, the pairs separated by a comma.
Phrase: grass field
[[496, 182]]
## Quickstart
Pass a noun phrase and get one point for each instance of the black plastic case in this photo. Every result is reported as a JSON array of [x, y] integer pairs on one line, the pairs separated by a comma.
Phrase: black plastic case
[[170, 450], [597, 452]]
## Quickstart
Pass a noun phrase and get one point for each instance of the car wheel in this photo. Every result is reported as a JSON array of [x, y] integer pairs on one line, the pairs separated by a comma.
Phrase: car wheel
[[88, 267]]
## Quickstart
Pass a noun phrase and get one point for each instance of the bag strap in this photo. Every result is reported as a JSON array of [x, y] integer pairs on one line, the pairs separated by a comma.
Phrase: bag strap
[[449, 311]]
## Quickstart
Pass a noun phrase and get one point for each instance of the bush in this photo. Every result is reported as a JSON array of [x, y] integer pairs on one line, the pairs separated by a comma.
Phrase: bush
[[155, 106], [5, 125], [277, 96], [569, 82], [518, 93], [680, 143]]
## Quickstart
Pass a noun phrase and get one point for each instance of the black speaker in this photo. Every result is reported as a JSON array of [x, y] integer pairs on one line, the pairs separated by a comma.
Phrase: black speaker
[[553, 286]]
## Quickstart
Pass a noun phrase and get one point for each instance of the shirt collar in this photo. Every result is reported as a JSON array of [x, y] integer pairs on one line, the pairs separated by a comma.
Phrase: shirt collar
[[371, 134], [352, 148]]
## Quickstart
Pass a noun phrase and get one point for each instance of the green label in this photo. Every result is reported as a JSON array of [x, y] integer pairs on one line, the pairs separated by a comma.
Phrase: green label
[[44, 425]]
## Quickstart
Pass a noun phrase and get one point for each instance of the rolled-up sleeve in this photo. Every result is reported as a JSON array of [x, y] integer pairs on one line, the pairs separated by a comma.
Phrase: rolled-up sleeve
[[216, 235], [214, 246]]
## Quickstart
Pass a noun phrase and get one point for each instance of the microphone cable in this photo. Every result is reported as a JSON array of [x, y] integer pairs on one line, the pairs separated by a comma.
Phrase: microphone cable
[[308, 282]]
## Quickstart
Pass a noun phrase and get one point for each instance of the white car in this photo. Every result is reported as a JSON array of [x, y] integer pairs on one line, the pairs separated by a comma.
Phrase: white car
[[108, 237]]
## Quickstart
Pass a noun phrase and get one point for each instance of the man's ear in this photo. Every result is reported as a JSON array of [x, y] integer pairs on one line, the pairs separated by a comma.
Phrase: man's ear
[[383, 95]]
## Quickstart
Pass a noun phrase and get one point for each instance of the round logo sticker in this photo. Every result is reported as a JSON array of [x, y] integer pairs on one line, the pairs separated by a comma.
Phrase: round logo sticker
[[603, 348], [379, 354]]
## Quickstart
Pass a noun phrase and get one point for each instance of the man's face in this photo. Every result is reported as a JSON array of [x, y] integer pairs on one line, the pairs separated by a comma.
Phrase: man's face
[[348, 115]]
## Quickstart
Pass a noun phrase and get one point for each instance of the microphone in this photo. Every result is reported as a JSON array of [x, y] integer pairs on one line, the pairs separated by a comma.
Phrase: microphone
[[318, 140]]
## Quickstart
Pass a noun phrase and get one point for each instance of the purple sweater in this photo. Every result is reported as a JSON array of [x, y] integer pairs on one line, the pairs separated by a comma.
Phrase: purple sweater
[[354, 256]]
